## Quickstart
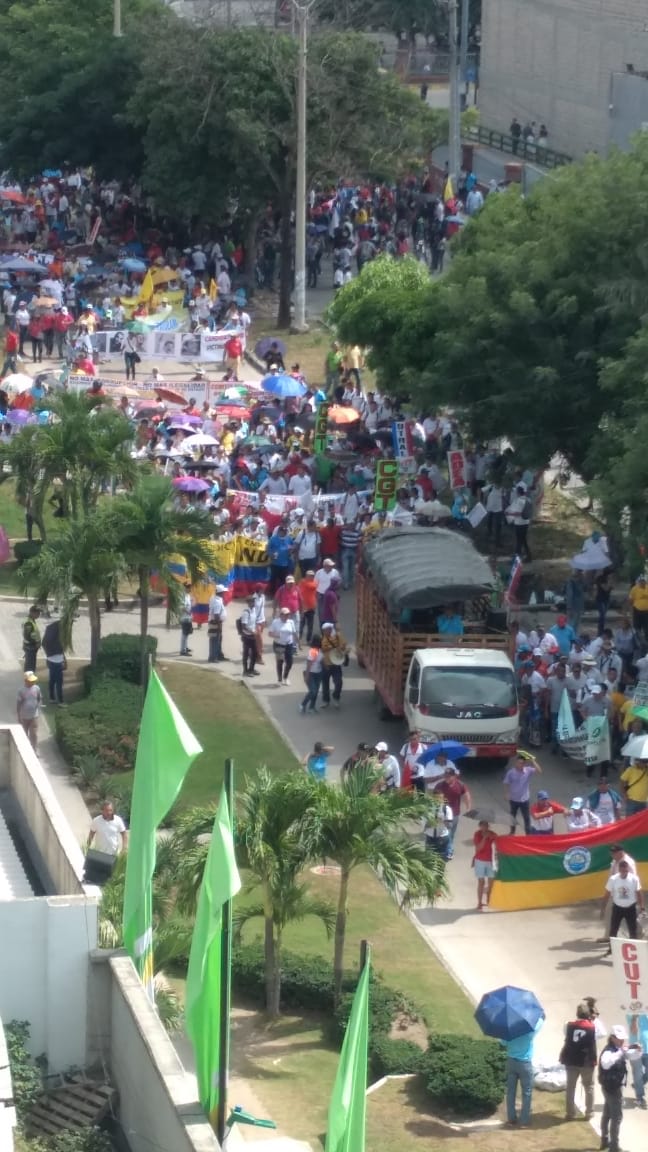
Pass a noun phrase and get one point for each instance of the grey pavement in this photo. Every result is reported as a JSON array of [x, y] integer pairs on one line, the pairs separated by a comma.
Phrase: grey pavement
[[552, 951], [489, 164]]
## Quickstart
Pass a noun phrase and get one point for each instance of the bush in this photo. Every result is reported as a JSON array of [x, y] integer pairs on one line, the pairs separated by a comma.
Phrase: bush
[[25, 1076], [395, 1057], [463, 1075], [26, 550], [306, 981], [120, 656], [103, 725]]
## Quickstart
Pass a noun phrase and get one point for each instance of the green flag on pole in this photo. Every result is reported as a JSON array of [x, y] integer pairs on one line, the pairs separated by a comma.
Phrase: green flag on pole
[[348, 1107], [165, 750], [204, 1015]]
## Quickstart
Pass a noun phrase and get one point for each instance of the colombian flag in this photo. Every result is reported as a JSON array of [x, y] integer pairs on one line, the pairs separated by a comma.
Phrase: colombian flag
[[546, 871]]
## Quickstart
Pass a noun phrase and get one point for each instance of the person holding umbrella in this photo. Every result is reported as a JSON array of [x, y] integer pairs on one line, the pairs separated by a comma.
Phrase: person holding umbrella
[[514, 1016]]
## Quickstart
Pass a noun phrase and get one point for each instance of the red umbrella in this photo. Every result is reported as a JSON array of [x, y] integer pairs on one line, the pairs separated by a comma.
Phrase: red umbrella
[[340, 415], [232, 412], [170, 396], [12, 196]]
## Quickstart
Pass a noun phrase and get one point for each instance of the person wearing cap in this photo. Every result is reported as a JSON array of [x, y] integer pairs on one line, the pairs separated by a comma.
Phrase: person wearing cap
[[605, 802], [287, 596], [334, 654], [323, 577], [29, 703], [456, 794], [564, 634], [437, 831], [413, 773], [578, 1055], [307, 591], [246, 625], [579, 817], [624, 890], [517, 788], [316, 762], [390, 767], [612, 1075], [31, 639], [283, 634], [542, 813], [216, 617], [638, 600]]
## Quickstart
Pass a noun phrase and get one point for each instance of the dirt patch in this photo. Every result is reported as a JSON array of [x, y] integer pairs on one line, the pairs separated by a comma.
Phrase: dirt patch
[[405, 1027]]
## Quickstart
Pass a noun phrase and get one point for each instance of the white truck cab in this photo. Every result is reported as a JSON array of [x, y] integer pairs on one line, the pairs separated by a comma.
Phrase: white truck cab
[[464, 694]]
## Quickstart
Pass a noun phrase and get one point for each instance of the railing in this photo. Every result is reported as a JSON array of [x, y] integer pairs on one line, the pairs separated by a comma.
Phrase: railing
[[518, 148], [419, 64]]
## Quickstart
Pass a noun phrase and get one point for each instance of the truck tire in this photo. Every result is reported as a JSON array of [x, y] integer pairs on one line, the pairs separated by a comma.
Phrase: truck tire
[[384, 712]]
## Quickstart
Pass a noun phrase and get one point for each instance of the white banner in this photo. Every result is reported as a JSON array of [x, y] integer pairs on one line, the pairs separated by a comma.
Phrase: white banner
[[591, 742], [630, 966], [165, 345]]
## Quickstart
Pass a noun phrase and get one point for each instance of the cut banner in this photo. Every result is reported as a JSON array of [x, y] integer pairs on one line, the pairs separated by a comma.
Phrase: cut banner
[[630, 966], [590, 742], [547, 871]]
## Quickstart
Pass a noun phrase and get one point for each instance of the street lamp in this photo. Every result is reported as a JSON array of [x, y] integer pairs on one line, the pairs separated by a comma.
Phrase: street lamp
[[299, 324]]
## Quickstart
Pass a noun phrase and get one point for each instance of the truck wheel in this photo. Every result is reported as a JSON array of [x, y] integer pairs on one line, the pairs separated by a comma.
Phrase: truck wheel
[[384, 713]]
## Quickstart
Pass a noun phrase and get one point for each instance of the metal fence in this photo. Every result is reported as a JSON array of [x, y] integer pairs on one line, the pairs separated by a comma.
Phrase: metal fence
[[534, 153]]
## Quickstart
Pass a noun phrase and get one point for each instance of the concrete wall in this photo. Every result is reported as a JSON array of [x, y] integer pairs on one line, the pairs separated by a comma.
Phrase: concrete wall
[[158, 1107], [552, 61], [7, 1110], [47, 833], [44, 947]]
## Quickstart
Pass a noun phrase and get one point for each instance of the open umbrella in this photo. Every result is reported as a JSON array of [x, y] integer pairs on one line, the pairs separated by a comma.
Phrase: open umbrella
[[641, 711], [263, 346], [340, 415], [452, 748], [132, 264], [191, 484], [637, 747], [200, 440], [232, 411], [433, 509], [17, 382], [144, 411], [170, 396], [44, 302], [269, 410], [508, 1012], [590, 561], [188, 419], [19, 264], [479, 814], [283, 386], [260, 442], [19, 416]]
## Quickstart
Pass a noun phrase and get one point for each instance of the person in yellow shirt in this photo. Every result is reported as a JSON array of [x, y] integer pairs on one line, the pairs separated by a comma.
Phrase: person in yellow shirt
[[638, 597], [635, 786], [227, 440]]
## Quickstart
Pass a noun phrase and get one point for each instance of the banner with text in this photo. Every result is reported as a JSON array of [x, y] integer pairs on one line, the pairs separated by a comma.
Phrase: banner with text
[[630, 967], [164, 345]]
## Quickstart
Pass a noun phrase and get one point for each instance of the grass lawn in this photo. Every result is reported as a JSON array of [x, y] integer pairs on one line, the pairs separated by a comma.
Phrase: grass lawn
[[9, 579], [12, 515]]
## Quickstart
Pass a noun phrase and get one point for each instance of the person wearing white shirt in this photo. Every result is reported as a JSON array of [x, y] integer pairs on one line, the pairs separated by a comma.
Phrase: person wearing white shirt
[[224, 283], [624, 889], [409, 754], [436, 769], [108, 832], [217, 614], [283, 634], [300, 483], [274, 485], [390, 767], [579, 818]]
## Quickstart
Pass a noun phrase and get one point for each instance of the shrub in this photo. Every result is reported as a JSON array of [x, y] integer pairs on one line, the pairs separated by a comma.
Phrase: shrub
[[25, 1076], [103, 725], [395, 1057], [26, 550], [306, 981], [465, 1076], [120, 656]]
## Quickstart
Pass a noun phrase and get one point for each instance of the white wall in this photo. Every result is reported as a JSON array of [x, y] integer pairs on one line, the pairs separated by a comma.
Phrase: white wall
[[552, 61], [44, 947]]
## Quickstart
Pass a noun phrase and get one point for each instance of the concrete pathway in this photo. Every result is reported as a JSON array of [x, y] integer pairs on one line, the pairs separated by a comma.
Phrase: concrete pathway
[[552, 951]]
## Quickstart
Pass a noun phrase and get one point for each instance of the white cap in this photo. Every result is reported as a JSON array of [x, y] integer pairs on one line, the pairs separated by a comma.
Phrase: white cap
[[381, 746], [619, 1032], [538, 652], [327, 625], [577, 803], [596, 689], [221, 588]]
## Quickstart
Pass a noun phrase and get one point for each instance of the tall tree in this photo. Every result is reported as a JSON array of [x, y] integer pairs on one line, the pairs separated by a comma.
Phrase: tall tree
[[151, 531], [20, 460]]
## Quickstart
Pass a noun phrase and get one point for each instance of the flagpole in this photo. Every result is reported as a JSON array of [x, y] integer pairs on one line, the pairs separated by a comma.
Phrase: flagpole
[[226, 981]]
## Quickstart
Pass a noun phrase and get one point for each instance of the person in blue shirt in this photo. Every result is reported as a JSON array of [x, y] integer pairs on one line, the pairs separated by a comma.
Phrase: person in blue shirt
[[280, 551], [519, 1069], [564, 635], [317, 763], [638, 1055], [449, 622]]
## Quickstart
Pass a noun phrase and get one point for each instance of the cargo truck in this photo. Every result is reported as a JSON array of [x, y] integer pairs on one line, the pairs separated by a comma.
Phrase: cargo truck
[[448, 686]]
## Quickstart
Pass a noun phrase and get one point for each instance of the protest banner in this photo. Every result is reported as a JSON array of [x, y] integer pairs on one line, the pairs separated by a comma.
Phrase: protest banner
[[165, 344], [402, 438], [590, 742], [457, 469], [630, 967], [386, 485], [321, 428]]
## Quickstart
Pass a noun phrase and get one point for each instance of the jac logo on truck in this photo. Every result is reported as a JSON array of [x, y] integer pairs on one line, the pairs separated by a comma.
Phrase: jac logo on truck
[[469, 715]]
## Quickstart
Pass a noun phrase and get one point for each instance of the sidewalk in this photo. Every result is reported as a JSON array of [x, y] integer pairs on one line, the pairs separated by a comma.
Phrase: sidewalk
[[552, 951]]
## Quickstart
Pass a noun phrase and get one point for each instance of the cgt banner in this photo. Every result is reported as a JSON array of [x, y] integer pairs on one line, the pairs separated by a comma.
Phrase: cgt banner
[[630, 966], [548, 871]]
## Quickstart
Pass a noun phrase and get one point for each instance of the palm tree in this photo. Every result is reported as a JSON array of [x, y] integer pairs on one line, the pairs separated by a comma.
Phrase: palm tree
[[269, 832], [23, 458], [82, 560], [353, 825], [151, 531]]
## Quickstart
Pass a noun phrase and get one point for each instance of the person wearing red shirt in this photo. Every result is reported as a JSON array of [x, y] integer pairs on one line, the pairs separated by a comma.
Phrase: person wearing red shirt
[[542, 814], [330, 540], [484, 845], [35, 330], [456, 795], [287, 596], [234, 352], [47, 321], [62, 321], [11, 352]]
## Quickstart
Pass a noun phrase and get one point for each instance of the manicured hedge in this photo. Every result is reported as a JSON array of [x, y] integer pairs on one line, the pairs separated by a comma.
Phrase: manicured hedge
[[26, 549], [104, 724], [465, 1075], [120, 656]]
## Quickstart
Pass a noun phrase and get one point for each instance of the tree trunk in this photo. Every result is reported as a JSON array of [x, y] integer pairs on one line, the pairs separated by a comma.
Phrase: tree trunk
[[251, 225], [285, 270], [340, 935], [94, 614], [144, 582]]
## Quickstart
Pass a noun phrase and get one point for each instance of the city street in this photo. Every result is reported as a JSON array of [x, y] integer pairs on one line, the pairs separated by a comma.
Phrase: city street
[[552, 951]]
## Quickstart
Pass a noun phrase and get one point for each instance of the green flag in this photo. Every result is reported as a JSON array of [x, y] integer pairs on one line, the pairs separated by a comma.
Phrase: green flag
[[220, 883], [165, 750], [348, 1107]]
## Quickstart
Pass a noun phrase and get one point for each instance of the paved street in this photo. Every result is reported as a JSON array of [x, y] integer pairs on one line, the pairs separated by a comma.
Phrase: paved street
[[553, 951]]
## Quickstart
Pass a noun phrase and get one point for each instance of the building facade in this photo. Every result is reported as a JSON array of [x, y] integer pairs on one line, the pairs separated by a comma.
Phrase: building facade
[[578, 66]]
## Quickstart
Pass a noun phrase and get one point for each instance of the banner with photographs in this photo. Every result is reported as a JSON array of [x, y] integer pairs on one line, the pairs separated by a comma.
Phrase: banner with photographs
[[165, 345]]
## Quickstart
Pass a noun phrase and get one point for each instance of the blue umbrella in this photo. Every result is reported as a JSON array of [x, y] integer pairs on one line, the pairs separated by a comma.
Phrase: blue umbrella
[[130, 264], [263, 346], [283, 386], [508, 1012], [452, 748]]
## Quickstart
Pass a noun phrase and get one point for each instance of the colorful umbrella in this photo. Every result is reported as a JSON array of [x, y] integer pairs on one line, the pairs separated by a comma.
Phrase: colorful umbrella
[[189, 418], [143, 411], [258, 442], [12, 196], [200, 440], [452, 748], [283, 386], [263, 346], [170, 396], [19, 264], [509, 1012], [44, 302], [232, 411], [19, 416], [191, 484], [131, 264], [339, 415]]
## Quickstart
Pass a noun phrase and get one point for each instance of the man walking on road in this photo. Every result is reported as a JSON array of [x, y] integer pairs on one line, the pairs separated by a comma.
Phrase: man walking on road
[[517, 789], [28, 707], [627, 899], [578, 1055]]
